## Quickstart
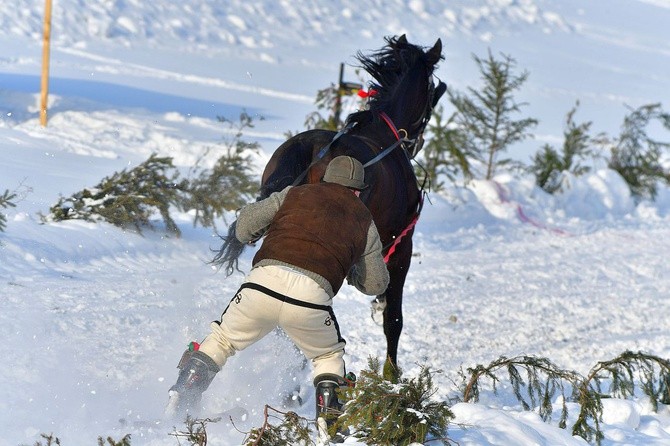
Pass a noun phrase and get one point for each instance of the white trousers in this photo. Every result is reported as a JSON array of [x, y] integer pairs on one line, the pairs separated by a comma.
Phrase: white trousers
[[279, 296]]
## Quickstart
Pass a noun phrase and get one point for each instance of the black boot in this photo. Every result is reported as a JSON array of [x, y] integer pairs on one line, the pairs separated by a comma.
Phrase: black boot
[[195, 375], [328, 405]]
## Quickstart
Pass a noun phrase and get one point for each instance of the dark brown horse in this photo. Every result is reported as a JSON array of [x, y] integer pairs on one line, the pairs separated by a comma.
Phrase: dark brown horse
[[384, 137]]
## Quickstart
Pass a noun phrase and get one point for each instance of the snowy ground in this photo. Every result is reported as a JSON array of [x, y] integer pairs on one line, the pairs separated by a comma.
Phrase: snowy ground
[[93, 318]]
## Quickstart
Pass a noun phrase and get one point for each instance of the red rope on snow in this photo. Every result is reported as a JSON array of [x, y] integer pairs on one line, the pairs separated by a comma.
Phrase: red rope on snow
[[522, 215]]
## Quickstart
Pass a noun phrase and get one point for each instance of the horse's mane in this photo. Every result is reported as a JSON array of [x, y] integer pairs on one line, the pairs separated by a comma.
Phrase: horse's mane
[[387, 67]]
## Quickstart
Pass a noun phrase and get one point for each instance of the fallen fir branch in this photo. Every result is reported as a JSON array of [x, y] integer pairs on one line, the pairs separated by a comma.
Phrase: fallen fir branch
[[543, 380]]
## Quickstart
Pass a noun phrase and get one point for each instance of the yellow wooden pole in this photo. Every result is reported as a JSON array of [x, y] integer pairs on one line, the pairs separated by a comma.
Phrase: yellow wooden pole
[[45, 64]]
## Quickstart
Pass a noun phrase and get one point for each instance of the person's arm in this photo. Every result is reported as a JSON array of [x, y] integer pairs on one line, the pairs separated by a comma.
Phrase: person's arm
[[369, 274], [254, 219]]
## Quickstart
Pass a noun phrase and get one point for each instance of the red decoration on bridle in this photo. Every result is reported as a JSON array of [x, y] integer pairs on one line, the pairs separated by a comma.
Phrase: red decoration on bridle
[[366, 94]]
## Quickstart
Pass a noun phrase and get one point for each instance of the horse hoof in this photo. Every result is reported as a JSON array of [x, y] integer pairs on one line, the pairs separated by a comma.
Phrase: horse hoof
[[378, 305]]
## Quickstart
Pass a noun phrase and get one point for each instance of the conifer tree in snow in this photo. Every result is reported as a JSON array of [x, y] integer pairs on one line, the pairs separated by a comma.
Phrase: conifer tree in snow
[[637, 156], [485, 116], [443, 155], [6, 202], [230, 183], [128, 199], [381, 412], [549, 164]]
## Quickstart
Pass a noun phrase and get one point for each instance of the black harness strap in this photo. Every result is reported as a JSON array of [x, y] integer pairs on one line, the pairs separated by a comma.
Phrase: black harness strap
[[292, 301], [386, 151], [322, 153], [283, 298]]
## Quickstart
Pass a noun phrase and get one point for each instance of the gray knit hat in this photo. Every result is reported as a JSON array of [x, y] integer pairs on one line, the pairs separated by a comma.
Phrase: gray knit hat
[[346, 171]]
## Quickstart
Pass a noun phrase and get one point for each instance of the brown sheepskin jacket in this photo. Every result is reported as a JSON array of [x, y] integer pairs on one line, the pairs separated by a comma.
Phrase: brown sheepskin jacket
[[322, 230]]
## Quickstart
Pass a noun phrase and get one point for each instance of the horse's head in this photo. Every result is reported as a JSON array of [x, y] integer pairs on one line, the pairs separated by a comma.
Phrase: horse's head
[[404, 86]]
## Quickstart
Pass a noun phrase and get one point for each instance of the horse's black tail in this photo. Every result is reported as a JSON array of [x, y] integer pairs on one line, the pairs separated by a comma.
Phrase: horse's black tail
[[227, 257]]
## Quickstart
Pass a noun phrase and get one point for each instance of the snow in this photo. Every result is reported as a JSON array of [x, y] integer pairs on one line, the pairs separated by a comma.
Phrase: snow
[[93, 319]]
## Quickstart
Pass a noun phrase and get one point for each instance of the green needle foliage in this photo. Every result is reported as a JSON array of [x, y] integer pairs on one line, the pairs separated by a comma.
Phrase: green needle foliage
[[484, 116], [548, 164], [51, 440], [636, 156], [128, 198], [443, 155], [383, 413], [229, 184], [330, 100], [125, 441], [132, 198], [196, 431], [543, 380], [652, 373], [6, 202], [293, 430]]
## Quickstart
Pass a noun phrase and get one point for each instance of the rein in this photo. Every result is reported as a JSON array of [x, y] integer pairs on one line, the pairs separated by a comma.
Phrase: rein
[[322, 153], [399, 141]]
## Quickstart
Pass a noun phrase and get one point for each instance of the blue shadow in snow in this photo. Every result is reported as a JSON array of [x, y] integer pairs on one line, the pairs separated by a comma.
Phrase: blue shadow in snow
[[101, 94]]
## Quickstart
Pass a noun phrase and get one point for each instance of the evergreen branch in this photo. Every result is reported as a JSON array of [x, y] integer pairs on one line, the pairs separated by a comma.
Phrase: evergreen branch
[[125, 441], [624, 371], [539, 393], [293, 430], [196, 430], [636, 156], [484, 117], [6, 201], [382, 412]]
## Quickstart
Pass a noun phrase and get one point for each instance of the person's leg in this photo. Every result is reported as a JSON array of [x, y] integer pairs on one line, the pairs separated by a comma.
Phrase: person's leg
[[308, 319], [316, 333], [249, 316], [196, 372]]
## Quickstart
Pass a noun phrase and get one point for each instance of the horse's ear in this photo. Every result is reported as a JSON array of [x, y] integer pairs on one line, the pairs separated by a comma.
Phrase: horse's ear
[[439, 91], [402, 39], [435, 53]]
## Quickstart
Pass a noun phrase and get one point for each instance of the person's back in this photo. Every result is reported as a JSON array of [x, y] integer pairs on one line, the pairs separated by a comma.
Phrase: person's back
[[321, 229]]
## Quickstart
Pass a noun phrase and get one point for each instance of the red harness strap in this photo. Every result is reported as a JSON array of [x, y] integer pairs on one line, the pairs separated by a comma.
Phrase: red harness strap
[[388, 121], [412, 223], [409, 227], [404, 232]]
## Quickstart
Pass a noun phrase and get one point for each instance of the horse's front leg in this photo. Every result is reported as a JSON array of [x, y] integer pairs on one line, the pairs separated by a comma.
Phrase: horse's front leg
[[393, 324], [398, 267]]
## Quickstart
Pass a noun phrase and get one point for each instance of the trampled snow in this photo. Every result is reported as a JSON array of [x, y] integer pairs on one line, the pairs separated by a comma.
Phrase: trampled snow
[[94, 319]]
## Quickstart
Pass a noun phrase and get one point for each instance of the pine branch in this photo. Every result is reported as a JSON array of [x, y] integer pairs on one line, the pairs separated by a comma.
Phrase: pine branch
[[127, 198], [6, 201], [196, 430], [543, 380], [652, 372], [293, 430], [382, 412], [125, 441]]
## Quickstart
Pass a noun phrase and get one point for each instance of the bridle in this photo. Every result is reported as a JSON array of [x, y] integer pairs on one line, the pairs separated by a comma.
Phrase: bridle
[[413, 146]]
